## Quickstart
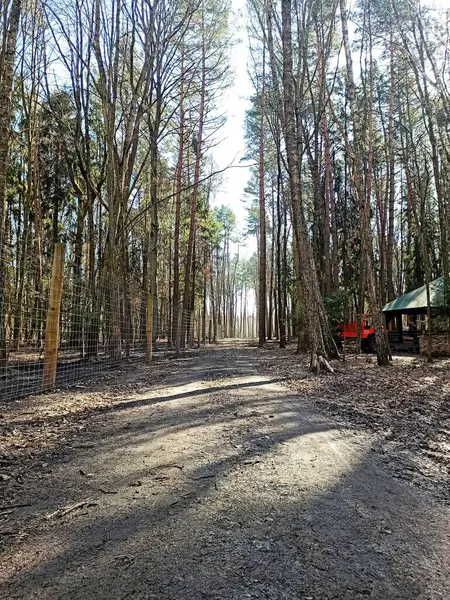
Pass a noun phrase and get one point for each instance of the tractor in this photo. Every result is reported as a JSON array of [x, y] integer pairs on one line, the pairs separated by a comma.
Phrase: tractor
[[349, 331]]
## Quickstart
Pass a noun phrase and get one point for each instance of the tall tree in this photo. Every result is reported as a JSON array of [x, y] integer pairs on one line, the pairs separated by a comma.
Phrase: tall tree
[[9, 18]]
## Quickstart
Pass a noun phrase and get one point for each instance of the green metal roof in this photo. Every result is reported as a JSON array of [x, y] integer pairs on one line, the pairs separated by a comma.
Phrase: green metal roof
[[417, 299]]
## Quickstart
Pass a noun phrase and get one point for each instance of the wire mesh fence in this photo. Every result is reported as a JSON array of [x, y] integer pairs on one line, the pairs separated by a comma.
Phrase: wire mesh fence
[[66, 322], [72, 328]]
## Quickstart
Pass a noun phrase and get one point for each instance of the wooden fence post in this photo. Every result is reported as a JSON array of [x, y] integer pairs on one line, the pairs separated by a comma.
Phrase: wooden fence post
[[178, 336], [52, 324], [149, 328]]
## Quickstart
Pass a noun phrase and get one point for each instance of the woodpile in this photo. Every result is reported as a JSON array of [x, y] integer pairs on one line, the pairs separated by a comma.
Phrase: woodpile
[[439, 344]]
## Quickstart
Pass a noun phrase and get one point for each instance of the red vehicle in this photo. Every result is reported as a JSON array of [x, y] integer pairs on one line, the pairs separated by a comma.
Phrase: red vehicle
[[349, 331]]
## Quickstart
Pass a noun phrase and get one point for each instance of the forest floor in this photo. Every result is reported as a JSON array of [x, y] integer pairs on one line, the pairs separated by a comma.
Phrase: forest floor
[[230, 474]]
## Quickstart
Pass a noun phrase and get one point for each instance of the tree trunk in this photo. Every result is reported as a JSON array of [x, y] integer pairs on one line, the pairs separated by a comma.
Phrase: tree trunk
[[188, 290], [176, 235], [383, 351], [319, 336], [262, 220], [8, 50], [391, 182]]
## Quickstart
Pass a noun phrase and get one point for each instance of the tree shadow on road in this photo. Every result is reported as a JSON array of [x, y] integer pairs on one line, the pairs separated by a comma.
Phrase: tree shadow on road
[[233, 526]]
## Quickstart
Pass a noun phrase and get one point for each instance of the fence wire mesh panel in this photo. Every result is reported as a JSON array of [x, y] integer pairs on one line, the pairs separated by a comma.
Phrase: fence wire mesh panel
[[67, 317], [100, 322]]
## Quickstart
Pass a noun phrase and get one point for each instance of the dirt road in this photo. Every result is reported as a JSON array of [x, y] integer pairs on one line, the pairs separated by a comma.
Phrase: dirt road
[[218, 483]]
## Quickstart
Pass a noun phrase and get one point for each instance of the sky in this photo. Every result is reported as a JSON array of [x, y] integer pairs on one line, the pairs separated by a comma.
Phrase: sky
[[232, 148]]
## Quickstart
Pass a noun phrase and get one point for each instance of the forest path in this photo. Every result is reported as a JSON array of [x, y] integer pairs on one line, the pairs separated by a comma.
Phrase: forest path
[[221, 484]]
